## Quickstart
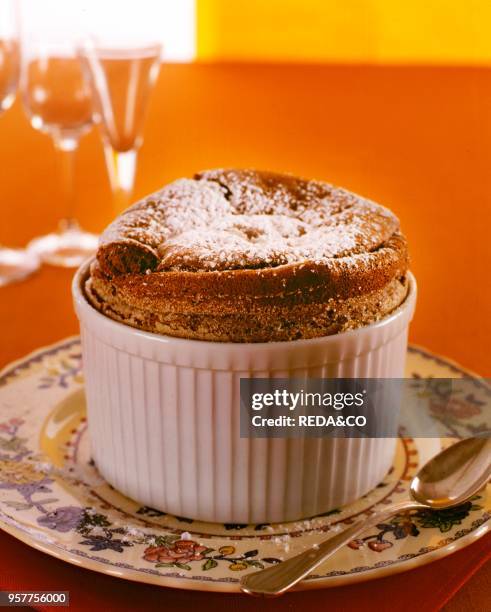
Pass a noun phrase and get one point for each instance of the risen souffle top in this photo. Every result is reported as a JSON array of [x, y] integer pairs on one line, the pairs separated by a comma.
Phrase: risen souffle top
[[249, 256]]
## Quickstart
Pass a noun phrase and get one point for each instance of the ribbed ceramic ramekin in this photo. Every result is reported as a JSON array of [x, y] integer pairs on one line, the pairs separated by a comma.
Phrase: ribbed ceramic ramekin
[[164, 418]]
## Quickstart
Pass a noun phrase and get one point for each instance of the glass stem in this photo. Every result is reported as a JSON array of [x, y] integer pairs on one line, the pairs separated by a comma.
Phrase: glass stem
[[121, 167], [67, 148]]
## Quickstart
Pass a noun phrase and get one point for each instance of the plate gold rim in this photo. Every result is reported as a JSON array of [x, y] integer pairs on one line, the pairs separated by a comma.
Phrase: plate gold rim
[[233, 587]]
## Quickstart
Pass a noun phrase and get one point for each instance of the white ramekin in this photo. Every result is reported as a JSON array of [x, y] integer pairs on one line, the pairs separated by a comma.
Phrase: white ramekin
[[163, 418]]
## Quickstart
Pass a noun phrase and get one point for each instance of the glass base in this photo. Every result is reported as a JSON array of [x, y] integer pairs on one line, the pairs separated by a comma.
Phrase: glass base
[[16, 264], [68, 248]]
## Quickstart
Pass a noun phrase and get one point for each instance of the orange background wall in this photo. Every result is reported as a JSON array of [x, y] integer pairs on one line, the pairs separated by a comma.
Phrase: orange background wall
[[415, 139]]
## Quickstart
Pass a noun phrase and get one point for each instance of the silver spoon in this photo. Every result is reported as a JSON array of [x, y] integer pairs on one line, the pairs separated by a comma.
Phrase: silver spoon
[[449, 479]]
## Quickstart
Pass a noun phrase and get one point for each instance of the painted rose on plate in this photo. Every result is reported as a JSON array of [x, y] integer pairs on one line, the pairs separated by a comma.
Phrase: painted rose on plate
[[181, 551]]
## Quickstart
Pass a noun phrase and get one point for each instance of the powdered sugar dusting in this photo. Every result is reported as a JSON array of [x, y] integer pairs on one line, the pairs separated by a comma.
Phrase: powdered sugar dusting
[[228, 219]]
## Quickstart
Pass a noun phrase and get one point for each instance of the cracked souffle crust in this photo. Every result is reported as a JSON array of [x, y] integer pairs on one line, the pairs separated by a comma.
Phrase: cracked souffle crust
[[249, 256]]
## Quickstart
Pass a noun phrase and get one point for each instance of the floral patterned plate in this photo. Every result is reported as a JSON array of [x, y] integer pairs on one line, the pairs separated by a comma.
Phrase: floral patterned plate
[[52, 498]]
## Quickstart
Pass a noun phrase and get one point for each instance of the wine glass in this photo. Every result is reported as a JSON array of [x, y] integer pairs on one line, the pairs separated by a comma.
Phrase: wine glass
[[57, 100], [15, 264], [122, 65]]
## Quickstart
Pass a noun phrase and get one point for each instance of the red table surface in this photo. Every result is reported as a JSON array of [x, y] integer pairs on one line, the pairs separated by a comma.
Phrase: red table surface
[[23, 568]]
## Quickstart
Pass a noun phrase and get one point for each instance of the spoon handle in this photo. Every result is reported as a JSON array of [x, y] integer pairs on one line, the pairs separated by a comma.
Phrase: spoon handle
[[279, 578]]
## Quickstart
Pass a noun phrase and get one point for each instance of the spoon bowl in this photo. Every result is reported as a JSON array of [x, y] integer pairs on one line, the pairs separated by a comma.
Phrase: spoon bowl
[[454, 475]]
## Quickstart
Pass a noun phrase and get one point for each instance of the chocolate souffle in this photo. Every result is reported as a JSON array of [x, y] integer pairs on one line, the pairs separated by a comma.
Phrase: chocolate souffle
[[249, 256]]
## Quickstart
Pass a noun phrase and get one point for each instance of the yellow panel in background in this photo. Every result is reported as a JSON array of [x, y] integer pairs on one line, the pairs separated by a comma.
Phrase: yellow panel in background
[[368, 31]]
